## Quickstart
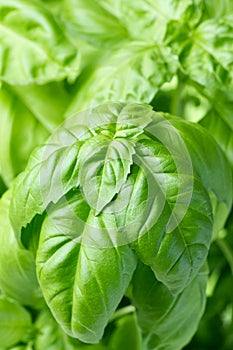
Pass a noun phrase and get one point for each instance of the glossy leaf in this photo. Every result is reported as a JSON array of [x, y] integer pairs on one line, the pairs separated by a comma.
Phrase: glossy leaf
[[167, 228], [105, 170], [35, 192], [175, 257], [167, 321], [162, 200], [59, 158], [80, 289], [206, 166]]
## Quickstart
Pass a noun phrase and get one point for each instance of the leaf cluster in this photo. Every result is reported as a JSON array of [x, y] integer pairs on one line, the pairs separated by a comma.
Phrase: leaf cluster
[[115, 220]]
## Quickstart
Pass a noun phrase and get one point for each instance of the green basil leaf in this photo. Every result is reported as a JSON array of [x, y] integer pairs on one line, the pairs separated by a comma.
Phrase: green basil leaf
[[219, 121], [183, 251], [34, 191], [105, 170], [49, 335], [150, 203], [175, 254], [160, 208], [55, 6], [29, 114], [15, 322], [207, 58], [29, 32], [119, 18], [59, 158], [46, 102], [167, 321], [17, 123], [132, 73], [216, 179], [153, 16], [217, 9], [17, 267], [127, 334], [132, 120], [93, 23], [78, 285]]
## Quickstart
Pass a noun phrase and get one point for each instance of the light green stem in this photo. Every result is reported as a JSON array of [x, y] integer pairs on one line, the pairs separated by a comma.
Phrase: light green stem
[[176, 105], [122, 312], [223, 245]]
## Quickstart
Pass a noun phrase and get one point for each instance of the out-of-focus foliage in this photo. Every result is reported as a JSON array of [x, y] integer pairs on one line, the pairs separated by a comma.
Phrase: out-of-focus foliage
[[58, 57]]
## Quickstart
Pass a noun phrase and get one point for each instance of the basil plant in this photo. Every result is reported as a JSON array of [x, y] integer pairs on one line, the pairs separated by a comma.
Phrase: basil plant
[[111, 223]]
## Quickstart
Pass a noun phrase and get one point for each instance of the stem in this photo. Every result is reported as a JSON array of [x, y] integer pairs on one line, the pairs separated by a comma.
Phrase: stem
[[122, 312], [226, 250], [176, 106]]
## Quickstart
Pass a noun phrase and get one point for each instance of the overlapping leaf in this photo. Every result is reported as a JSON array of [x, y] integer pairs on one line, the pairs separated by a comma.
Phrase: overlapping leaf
[[167, 321], [207, 57], [120, 182], [16, 123], [219, 121], [34, 190], [153, 16], [48, 334], [17, 266], [28, 115], [104, 169], [213, 8], [220, 193], [93, 23], [79, 287], [59, 158], [133, 73], [15, 323], [118, 18]]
